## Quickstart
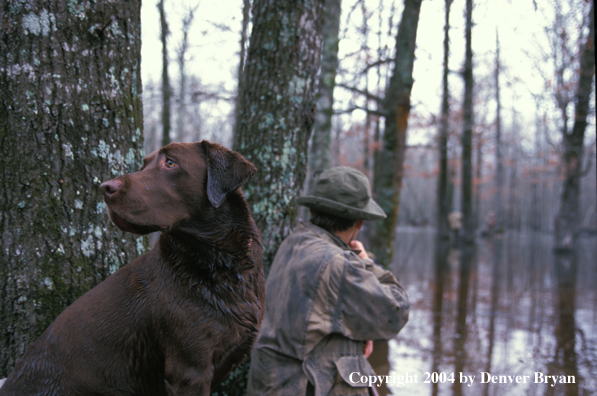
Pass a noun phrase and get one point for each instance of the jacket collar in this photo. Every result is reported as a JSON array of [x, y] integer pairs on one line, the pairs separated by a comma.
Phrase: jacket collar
[[329, 236]]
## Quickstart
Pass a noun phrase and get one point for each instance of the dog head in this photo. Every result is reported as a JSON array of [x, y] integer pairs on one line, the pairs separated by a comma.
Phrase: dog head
[[175, 184]]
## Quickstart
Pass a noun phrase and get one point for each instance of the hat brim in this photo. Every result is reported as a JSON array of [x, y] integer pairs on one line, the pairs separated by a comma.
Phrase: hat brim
[[370, 212]]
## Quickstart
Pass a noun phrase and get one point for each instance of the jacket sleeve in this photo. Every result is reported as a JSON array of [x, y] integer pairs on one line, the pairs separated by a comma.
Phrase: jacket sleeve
[[371, 304]]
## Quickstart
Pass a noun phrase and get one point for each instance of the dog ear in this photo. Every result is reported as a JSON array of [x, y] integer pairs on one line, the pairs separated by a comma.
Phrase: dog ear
[[227, 170]]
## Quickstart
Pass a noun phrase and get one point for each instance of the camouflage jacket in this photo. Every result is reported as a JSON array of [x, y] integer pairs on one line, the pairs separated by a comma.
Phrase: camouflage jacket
[[322, 302]]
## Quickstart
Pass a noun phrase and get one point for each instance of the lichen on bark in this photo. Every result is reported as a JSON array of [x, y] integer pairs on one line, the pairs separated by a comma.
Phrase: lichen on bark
[[277, 110], [70, 118]]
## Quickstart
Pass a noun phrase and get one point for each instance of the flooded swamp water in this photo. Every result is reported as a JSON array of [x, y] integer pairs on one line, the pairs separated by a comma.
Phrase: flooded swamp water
[[506, 317]]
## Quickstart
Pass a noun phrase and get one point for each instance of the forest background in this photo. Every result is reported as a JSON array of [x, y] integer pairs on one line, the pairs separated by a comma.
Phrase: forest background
[[531, 120]]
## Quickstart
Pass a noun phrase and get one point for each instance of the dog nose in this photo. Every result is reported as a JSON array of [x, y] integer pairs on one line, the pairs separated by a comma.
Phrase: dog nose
[[110, 187]]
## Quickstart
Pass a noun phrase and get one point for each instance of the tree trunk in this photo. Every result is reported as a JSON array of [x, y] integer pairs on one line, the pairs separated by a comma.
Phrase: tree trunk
[[277, 110], [321, 143], [247, 4], [499, 174], [166, 89], [443, 201], [468, 227], [181, 117], [389, 167], [536, 203], [276, 116], [568, 218], [478, 185], [70, 118], [513, 207]]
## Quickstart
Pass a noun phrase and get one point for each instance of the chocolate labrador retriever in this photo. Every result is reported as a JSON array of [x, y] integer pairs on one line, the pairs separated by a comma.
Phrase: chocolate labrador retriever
[[177, 319]]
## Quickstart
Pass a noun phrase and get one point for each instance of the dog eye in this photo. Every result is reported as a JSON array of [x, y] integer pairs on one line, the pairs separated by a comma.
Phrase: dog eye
[[170, 163]]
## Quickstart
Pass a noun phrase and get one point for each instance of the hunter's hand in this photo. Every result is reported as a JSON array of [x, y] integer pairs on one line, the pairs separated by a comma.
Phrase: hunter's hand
[[357, 245], [368, 349]]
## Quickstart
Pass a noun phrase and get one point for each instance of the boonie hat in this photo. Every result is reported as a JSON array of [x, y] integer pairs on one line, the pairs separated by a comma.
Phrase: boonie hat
[[344, 192]]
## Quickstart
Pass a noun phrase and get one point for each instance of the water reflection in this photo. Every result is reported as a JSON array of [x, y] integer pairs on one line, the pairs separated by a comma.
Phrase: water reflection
[[441, 259], [564, 361], [507, 306], [461, 332]]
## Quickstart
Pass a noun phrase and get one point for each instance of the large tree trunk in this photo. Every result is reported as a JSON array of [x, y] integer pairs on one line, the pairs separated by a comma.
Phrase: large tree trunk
[[277, 110], [70, 118], [276, 115], [568, 218], [443, 200], [468, 223], [389, 167], [321, 143]]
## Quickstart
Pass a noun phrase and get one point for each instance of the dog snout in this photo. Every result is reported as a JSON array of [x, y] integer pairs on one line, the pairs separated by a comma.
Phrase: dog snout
[[110, 187]]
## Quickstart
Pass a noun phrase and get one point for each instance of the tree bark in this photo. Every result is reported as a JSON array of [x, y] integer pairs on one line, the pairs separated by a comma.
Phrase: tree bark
[[443, 200], [321, 142], [567, 224], [166, 89], [389, 167], [277, 110], [275, 120], [70, 118], [468, 226]]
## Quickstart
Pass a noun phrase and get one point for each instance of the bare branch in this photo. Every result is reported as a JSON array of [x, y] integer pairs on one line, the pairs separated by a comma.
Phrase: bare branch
[[376, 64], [420, 146], [196, 95], [368, 95], [369, 111], [220, 26]]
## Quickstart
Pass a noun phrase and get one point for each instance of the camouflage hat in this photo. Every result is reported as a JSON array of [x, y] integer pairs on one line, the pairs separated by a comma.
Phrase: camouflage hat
[[343, 192]]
